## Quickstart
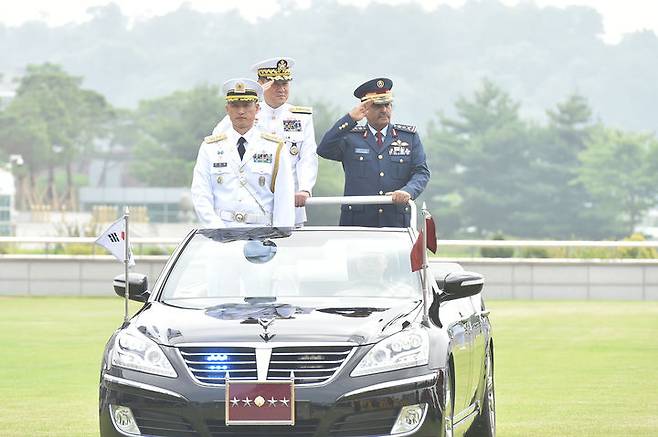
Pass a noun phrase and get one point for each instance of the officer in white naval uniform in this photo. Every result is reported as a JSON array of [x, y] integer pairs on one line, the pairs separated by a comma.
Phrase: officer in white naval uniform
[[292, 123], [242, 175]]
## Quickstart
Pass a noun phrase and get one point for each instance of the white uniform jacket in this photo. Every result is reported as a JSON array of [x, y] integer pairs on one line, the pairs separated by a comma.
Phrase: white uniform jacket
[[295, 125], [255, 191]]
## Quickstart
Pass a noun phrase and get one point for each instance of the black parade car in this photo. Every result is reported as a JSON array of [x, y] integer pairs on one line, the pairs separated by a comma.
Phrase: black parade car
[[318, 331]]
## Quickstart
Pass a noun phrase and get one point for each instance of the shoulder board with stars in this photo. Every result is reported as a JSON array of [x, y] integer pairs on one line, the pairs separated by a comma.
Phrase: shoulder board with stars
[[214, 138], [271, 137], [301, 110], [405, 128], [358, 128]]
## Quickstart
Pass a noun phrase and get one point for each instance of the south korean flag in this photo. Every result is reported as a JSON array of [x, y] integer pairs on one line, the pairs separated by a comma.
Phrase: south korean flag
[[114, 240]]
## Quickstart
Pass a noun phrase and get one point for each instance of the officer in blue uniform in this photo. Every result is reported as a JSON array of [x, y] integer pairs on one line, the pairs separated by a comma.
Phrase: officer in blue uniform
[[378, 158]]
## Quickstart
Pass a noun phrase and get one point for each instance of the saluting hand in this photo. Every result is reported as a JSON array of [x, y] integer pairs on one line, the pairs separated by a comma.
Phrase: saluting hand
[[267, 85], [399, 196], [360, 110]]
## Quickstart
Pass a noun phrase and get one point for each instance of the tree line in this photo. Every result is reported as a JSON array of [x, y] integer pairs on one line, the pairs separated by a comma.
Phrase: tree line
[[535, 53], [494, 171]]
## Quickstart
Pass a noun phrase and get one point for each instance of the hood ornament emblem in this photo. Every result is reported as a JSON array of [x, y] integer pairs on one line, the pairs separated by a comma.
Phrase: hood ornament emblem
[[265, 323]]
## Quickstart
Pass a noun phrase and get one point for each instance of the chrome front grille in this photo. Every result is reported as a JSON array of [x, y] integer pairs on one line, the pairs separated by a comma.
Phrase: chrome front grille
[[210, 364], [310, 364], [314, 364]]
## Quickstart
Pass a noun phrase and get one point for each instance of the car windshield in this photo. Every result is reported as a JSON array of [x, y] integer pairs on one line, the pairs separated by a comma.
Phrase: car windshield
[[308, 263]]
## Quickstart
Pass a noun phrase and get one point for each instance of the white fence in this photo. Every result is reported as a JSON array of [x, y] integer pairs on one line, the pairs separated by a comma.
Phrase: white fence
[[47, 243], [514, 278], [506, 278]]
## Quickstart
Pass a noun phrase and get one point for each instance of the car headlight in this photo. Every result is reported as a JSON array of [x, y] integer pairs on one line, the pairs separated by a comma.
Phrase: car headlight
[[132, 350], [405, 349]]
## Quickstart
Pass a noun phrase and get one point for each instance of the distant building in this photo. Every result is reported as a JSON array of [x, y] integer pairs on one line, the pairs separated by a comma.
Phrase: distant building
[[163, 205], [7, 194], [112, 187]]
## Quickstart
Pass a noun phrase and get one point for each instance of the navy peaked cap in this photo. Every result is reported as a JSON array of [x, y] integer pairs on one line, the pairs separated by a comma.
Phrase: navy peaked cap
[[377, 90]]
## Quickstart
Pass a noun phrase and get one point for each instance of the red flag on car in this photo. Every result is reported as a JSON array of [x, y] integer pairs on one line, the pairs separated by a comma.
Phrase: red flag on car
[[431, 234], [417, 249], [417, 254]]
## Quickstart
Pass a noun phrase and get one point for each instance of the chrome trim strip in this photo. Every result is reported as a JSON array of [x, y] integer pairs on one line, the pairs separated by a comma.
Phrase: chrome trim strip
[[472, 282], [424, 379], [263, 356], [467, 413], [262, 345], [148, 387]]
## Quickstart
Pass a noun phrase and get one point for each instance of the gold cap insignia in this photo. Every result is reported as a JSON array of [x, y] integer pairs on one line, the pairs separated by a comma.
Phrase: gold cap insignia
[[239, 87], [282, 65], [380, 84]]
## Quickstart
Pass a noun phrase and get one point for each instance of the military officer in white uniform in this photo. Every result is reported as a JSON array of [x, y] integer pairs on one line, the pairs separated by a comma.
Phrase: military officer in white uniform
[[242, 175], [292, 123]]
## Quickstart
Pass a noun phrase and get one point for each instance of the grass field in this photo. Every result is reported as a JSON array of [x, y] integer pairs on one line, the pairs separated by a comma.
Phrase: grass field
[[562, 368]]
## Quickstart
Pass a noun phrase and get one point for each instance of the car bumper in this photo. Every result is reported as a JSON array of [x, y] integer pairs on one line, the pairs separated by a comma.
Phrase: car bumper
[[199, 411]]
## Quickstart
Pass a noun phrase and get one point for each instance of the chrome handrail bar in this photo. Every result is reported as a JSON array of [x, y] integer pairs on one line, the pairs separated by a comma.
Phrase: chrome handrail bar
[[364, 200]]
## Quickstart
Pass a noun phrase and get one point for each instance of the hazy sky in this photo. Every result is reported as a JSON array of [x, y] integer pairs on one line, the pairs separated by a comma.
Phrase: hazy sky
[[620, 16]]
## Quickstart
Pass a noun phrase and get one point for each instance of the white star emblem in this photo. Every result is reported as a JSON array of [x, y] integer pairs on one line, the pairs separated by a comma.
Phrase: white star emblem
[[235, 401], [272, 402], [247, 402], [284, 401]]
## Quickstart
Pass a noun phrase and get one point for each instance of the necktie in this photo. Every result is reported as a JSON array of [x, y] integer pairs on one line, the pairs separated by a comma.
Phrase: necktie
[[380, 138], [241, 142]]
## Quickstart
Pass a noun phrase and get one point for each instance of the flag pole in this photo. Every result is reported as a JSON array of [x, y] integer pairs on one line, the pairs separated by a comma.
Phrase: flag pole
[[424, 276], [126, 214]]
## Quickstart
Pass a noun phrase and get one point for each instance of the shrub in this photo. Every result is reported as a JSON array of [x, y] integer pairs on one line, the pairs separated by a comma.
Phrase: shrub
[[497, 252], [154, 250], [535, 252], [636, 252], [77, 249]]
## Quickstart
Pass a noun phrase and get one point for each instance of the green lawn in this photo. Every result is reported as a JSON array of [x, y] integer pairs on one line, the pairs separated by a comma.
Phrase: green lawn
[[562, 368]]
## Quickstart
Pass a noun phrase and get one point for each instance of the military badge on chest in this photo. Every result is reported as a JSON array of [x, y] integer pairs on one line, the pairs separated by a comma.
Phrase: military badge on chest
[[263, 158], [292, 125], [399, 148]]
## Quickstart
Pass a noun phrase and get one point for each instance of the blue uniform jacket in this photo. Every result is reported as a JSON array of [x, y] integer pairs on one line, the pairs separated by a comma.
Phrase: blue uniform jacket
[[398, 165]]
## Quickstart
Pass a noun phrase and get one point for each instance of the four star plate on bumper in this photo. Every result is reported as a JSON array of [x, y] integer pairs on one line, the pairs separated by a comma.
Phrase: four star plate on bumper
[[260, 403]]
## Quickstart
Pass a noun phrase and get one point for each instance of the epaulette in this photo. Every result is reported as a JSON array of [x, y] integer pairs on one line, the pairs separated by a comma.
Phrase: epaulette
[[358, 128], [301, 110], [405, 128], [214, 138], [271, 137]]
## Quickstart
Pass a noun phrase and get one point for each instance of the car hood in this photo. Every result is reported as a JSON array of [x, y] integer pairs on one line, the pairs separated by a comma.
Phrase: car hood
[[293, 320]]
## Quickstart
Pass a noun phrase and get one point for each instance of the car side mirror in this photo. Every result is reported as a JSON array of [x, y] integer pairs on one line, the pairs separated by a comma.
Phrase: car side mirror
[[138, 286], [456, 285]]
